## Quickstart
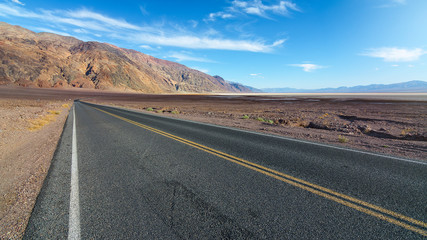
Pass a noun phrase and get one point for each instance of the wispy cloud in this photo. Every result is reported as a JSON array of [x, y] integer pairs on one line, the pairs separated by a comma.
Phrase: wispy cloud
[[195, 42], [256, 75], [144, 11], [392, 3], [394, 54], [193, 23], [106, 21], [147, 47], [204, 70], [55, 17], [255, 7], [223, 15], [48, 30], [18, 2], [307, 67], [91, 22], [185, 57]]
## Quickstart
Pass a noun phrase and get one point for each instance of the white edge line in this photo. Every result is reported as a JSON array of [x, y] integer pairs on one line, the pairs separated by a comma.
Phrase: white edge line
[[275, 136], [74, 214]]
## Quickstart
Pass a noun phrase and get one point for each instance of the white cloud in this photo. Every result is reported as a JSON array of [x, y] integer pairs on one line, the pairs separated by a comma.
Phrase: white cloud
[[411, 66], [7, 10], [307, 67], [278, 42], [193, 42], [79, 30], [91, 22], [255, 11], [393, 54], [204, 70], [18, 2], [84, 31], [146, 47], [256, 75], [185, 56], [84, 19], [193, 23], [214, 16], [50, 17], [86, 14], [41, 29], [395, 65], [255, 7]]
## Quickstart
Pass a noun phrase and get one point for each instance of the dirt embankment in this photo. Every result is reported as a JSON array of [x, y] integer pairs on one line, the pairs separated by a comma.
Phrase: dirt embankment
[[392, 127], [29, 132]]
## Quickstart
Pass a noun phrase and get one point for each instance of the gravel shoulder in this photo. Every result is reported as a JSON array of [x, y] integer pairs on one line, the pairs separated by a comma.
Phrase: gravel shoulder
[[29, 132]]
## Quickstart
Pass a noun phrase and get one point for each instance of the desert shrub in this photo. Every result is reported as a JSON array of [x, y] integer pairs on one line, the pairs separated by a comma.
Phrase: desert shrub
[[159, 111], [303, 123], [54, 112], [270, 121], [342, 139], [175, 112], [245, 117], [260, 119], [406, 131], [150, 109], [38, 123], [324, 115]]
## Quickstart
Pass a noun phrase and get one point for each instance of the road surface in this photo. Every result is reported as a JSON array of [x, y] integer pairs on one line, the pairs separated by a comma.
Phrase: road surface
[[120, 174]]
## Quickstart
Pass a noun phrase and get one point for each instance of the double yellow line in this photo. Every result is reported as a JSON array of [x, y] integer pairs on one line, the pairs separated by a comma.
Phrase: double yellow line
[[362, 206]]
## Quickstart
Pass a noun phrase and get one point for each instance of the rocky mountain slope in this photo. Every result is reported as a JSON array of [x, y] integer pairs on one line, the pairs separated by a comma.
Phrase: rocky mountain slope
[[49, 60]]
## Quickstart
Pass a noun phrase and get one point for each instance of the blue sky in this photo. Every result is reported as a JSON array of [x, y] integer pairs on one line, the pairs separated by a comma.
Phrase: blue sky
[[262, 43]]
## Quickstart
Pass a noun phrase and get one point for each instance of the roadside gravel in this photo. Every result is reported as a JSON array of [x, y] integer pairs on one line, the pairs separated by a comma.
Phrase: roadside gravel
[[25, 156]]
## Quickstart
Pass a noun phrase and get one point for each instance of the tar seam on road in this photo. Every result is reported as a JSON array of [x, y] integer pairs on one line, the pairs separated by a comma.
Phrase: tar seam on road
[[74, 214], [357, 204]]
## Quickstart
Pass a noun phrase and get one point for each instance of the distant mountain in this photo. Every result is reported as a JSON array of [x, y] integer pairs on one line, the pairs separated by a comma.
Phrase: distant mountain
[[405, 87], [244, 87], [49, 60]]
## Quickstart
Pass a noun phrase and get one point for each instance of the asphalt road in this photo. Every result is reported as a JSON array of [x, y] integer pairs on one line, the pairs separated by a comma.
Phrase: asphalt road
[[142, 176]]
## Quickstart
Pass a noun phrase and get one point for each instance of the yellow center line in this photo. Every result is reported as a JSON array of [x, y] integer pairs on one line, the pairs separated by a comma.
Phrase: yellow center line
[[340, 198]]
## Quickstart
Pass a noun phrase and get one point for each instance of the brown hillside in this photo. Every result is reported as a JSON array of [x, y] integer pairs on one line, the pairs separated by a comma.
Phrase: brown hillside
[[48, 60]]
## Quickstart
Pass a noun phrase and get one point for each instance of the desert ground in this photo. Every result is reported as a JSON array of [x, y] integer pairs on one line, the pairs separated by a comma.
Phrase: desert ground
[[29, 132], [31, 122]]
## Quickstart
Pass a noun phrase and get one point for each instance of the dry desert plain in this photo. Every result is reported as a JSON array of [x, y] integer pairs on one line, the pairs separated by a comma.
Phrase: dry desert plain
[[31, 122]]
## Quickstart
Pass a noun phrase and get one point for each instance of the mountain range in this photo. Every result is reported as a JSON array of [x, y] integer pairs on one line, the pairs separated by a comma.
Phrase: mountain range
[[48, 60], [404, 87]]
